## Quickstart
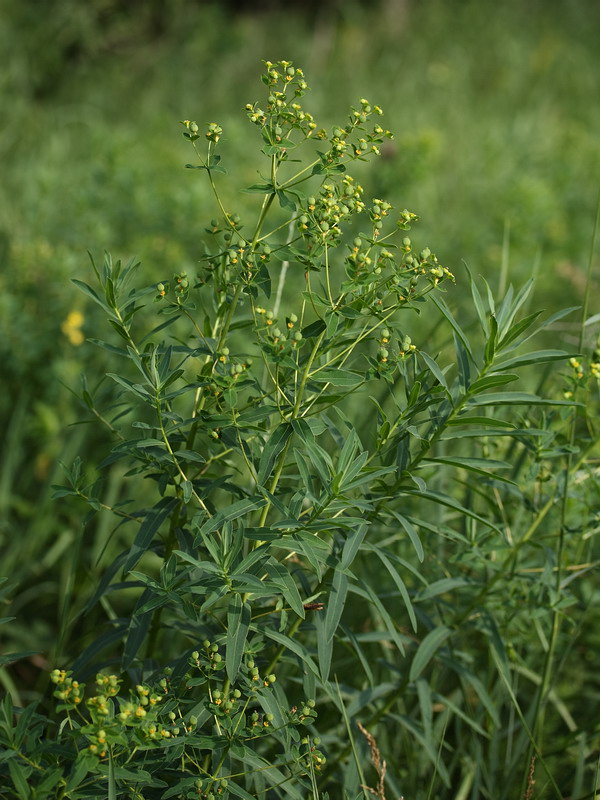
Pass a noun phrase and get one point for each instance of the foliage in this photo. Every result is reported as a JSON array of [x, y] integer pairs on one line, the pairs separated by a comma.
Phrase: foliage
[[321, 511]]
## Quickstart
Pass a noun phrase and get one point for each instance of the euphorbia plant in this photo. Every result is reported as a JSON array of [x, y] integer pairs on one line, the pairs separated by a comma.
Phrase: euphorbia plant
[[261, 468]]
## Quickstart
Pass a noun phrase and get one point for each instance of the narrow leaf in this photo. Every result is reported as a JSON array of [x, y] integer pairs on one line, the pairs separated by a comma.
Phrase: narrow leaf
[[228, 514], [152, 522], [427, 649], [445, 500], [536, 357], [517, 398], [238, 622], [433, 367], [272, 449], [457, 329], [490, 345], [336, 602], [337, 377], [282, 578]]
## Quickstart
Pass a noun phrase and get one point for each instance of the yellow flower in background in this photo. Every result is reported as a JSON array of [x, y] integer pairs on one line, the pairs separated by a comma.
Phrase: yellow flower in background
[[71, 327]]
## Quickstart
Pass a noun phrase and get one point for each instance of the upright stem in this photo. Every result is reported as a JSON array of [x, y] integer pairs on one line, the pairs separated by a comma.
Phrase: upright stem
[[281, 463]]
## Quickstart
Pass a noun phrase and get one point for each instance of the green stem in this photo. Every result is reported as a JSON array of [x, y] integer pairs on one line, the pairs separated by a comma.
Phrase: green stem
[[281, 462], [224, 330], [173, 455]]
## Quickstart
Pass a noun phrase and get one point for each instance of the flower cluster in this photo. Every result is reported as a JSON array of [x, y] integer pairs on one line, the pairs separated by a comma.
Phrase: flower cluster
[[393, 348], [69, 691], [283, 111], [210, 789], [146, 714], [237, 707], [335, 203], [354, 140], [312, 758], [277, 343], [374, 270], [579, 373]]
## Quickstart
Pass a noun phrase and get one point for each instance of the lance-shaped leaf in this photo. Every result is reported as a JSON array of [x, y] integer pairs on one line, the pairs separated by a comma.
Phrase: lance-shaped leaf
[[274, 446], [439, 302], [234, 511], [445, 500], [336, 602], [282, 578], [535, 357], [152, 522], [337, 377], [238, 622], [435, 370], [427, 649]]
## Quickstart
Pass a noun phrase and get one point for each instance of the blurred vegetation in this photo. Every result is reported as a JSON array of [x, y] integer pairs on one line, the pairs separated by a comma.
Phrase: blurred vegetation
[[495, 114]]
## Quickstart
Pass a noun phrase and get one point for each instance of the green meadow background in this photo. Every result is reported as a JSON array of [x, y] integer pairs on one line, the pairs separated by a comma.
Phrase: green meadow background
[[496, 115]]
